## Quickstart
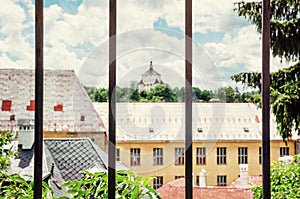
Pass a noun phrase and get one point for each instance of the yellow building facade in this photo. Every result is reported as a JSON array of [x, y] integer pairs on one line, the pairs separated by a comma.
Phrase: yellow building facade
[[150, 140], [170, 171]]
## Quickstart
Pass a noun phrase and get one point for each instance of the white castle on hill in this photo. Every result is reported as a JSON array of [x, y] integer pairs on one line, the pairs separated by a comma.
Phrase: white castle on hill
[[150, 79]]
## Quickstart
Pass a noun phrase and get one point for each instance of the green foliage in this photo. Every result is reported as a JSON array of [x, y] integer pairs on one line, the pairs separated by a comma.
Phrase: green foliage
[[204, 95], [285, 43], [95, 185], [135, 96], [97, 95], [101, 95], [162, 92], [285, 180], [5, 154], [167, 94], [284, 96], [285, 23], [13, 185], [226, 94]]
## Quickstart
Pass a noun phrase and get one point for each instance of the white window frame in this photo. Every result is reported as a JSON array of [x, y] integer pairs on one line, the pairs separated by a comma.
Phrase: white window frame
[[158, 156], [135, 156], [221, 155], [221, 180], [158, 182], [179, 156], [200, 155], [284, 151], [243, 155]]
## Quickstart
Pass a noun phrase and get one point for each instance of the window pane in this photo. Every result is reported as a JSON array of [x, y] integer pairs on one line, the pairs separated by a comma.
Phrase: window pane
[[135, 156], [201, 156], [243, 155], [260, 155], [179, 156], [157, 182], [221, 180], [157, 156], [118, 154], [221, 155], [284, 151]]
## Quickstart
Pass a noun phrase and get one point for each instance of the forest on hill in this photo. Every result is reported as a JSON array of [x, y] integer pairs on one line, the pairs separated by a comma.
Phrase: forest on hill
[[164, 93]]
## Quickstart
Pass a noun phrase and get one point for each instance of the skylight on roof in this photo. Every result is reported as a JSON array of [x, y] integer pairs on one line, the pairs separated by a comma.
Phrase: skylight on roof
[[246, 129]]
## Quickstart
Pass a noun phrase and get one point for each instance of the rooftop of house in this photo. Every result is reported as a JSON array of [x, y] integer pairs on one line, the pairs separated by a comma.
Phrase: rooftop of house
[[176, 190], [64, 158], [151, 71], [166, 121], [67, 106]]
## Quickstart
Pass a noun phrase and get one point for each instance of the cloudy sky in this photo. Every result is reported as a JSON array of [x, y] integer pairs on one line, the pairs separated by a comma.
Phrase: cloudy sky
[[76, 37]]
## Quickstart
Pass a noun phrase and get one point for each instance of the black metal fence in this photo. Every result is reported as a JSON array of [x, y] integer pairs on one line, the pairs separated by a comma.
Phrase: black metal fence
[[112, 102]]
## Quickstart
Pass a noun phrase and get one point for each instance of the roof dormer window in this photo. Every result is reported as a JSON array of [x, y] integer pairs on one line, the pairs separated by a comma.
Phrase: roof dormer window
[[246, 129]]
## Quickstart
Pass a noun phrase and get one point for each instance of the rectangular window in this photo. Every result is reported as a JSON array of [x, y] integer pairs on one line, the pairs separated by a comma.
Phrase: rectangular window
[[260, 155], [198, 180], [157, 156], [221, 180], [117, 154], [284, 151], [243, 155], [177, 177], [221, 155], [135, 158], [201, 155], [179, 156], [157, 182]]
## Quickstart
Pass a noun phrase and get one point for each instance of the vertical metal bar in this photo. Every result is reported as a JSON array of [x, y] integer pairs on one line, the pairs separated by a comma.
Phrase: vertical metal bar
[[112, 100], [188, 101], [266, 98], [39, 90]]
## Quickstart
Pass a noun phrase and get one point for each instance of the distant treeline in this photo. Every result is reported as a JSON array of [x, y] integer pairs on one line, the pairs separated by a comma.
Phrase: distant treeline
[[164, 93]]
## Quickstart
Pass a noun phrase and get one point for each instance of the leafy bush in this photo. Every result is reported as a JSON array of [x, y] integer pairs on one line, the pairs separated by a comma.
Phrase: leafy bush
[[5, 154], [13, 185], [285, 180], [95, 185]]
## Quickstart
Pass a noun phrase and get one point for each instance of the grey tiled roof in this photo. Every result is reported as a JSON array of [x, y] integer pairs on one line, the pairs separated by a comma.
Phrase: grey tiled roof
[[67, 156], [72, 156]]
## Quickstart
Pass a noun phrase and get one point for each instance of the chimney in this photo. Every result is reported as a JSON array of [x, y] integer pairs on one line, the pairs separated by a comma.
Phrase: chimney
[[202, 178], [193, 181], [244, 183], [26, 133]]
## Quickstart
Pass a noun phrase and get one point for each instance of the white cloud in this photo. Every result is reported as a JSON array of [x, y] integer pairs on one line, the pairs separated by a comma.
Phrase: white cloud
[[65, 32], [14, 21], [243, 49]]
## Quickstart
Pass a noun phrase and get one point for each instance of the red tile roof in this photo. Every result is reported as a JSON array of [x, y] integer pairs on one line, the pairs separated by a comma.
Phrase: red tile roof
[[176, 190]]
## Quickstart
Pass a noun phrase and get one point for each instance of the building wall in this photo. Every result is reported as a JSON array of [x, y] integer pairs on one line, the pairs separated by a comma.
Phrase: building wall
[[169, 170]]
